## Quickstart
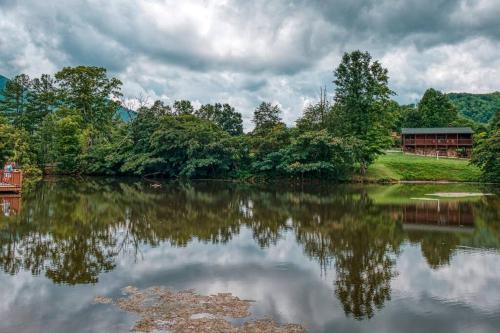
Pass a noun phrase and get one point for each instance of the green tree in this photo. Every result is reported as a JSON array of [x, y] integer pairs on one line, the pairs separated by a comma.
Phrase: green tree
[[24, 153], [268, 142], [156, 110], [135, 149], [44, 141], [398, 114], [317, 154], [42, 100], [91, 92], [15, 100], [67, 139], [466, 122], [7, 141], [265, 117], [223, 115], [183, 107], [181, 146], [411, 117], [16, 145], [146, 122], [486, 152], [436, 109], [192, 148], [360, 111], [315, 116], [106, 155]]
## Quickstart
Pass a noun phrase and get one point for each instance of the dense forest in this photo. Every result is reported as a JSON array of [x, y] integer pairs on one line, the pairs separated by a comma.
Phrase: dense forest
[[73, 123]]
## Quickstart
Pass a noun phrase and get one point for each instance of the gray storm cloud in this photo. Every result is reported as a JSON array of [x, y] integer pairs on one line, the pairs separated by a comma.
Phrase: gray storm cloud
[[243, 52]]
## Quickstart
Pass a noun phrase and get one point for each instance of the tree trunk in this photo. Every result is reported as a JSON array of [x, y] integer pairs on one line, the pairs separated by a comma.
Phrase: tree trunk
[[363, 169]]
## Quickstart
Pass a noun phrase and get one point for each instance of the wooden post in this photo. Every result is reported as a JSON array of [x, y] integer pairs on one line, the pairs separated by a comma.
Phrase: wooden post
[[20, 179], [436, 145], [403, 142]]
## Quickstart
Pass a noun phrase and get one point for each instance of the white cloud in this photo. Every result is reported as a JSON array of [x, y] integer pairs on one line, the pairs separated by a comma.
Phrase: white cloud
[[243, 52]]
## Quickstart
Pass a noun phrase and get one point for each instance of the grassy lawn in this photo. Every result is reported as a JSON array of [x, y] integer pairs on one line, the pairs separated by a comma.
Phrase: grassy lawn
[[396, 166]]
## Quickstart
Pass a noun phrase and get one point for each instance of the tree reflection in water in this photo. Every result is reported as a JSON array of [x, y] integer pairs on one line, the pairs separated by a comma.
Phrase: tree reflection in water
[[74, 230]]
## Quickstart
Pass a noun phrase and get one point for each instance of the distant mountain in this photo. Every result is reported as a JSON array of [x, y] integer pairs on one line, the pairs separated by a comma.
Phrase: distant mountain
[[3, 82], [478, 107], [124, 113]]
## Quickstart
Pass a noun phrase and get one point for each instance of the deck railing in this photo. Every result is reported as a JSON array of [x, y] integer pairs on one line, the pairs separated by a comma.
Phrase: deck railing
[[14, 178], [438, 142]]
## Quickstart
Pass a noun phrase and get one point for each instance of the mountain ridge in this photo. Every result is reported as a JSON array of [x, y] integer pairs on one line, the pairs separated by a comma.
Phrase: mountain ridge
[[3, 83], [480, 108]]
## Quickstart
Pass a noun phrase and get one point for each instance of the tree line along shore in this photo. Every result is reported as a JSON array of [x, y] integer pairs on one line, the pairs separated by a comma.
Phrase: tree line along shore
[[69, 123]]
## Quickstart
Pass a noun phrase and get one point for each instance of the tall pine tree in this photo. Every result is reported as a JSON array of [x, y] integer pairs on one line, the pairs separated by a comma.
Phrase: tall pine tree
[[15, 100]]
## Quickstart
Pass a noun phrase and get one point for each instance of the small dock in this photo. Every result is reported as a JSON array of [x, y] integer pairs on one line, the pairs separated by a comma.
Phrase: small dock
[[11, 182]]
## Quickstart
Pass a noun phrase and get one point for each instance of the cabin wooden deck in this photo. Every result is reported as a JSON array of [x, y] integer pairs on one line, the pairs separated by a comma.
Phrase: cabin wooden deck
[[447, 141], [11, 182]]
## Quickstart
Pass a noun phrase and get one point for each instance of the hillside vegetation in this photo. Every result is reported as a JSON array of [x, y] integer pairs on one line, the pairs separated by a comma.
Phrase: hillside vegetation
[[478, 107], [73, 123]]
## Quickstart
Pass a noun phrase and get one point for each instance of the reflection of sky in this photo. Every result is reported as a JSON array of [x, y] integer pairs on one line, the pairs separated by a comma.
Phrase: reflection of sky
[[287, 285], [472, 278]]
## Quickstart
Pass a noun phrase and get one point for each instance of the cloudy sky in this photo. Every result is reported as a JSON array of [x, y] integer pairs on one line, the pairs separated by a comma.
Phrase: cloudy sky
[[243, 52]]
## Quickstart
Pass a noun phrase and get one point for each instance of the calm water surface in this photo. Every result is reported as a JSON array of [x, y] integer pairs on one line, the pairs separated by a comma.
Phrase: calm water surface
[[333, 258]]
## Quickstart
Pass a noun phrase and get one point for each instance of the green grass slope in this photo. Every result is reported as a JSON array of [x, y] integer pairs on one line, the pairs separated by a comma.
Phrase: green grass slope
[[398, 166], [478, 107]]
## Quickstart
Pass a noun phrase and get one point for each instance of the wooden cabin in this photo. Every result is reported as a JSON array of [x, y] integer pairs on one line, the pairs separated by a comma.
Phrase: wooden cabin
[[446, 141]]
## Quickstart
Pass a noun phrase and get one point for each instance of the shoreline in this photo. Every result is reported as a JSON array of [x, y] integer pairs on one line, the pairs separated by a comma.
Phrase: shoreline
[[312, 181]]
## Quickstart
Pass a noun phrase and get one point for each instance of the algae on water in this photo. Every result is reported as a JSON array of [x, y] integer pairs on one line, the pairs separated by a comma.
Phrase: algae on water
[[186, 311]]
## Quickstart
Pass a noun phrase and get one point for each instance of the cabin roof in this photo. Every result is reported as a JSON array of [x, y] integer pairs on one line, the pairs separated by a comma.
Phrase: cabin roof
[[438, 130]]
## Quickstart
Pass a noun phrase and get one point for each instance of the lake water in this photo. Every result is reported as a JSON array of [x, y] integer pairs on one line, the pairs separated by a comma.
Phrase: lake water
[[336, 258]]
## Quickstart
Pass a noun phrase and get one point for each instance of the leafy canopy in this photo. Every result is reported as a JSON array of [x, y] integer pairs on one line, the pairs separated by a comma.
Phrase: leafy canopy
[[91, 92], [360, 111], [223, 115], [487, 151], [265, 117], [436, 110]]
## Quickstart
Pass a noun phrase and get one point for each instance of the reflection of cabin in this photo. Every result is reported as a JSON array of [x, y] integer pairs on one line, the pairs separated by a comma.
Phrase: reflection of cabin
[[438, 215], [446, 141], [11, 181], [10, 204]]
